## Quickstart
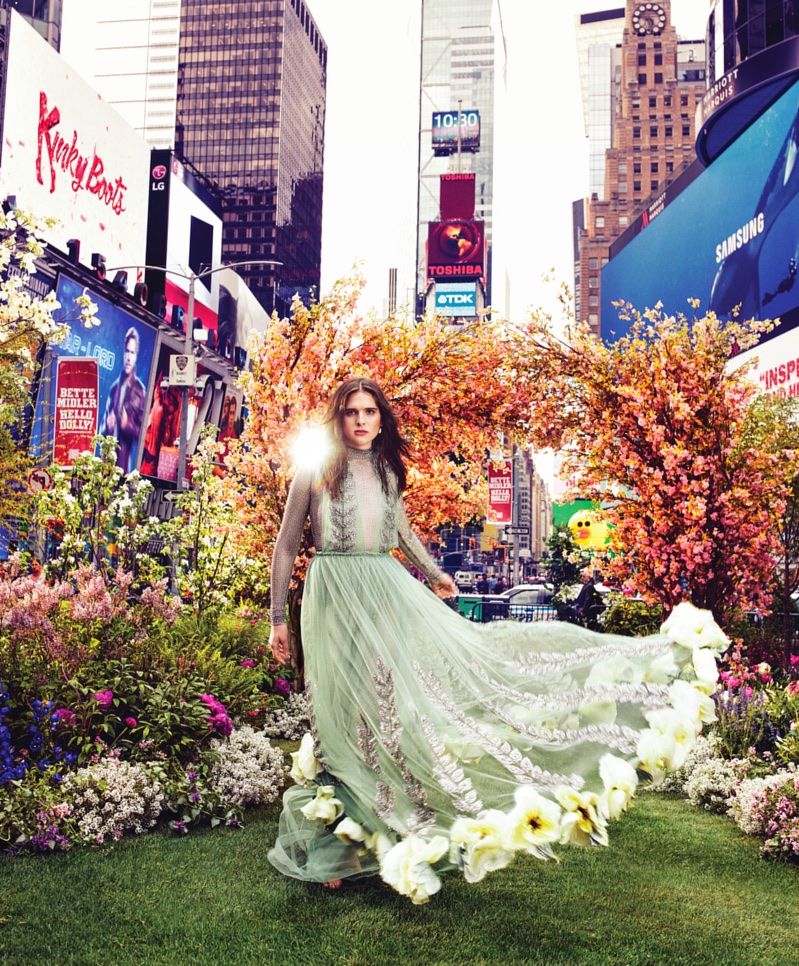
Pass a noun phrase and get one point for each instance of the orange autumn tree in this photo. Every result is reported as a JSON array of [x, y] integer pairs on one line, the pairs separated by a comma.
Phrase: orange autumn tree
[[454, 391], [652, 427]]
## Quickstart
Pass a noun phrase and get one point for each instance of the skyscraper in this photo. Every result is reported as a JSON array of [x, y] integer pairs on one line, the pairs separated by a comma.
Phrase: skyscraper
[[656, 81], [43, 15], [237, 88], [457, 72]]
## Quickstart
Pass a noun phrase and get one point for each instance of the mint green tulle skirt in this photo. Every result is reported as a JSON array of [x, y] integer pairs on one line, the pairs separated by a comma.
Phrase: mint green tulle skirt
[[421, 717]]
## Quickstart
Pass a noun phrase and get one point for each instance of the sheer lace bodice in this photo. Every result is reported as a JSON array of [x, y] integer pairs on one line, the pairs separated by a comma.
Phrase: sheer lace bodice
[[363, 519]]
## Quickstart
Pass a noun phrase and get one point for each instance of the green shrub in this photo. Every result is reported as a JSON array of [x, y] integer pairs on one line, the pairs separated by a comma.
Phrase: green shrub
[[631, 618]]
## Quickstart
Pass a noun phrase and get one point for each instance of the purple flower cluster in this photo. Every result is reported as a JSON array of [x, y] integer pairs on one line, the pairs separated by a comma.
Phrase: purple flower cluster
[[15, 762], [218, 720], [282, 687]]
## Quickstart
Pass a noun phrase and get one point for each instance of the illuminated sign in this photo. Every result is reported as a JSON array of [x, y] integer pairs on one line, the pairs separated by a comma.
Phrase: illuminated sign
[[69, 155], [456, 299], [500, 492], [456, 249], [451, 126]]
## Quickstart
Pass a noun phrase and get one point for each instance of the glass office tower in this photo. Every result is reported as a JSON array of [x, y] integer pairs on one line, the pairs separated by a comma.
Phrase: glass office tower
[[458, 43], [250, 117]]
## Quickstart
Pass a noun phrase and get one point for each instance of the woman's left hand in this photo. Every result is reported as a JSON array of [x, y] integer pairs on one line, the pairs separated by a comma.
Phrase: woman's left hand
[[445, 587]]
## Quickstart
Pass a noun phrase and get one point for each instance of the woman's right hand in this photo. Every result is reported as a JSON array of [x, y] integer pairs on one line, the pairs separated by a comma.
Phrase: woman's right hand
[[279, 642]]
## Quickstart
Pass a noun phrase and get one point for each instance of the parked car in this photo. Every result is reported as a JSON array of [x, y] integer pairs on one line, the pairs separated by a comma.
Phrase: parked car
[[528, 594], [465, 579]]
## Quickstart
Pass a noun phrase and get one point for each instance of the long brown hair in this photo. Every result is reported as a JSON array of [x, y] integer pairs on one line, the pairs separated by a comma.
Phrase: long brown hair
[[389, 447]]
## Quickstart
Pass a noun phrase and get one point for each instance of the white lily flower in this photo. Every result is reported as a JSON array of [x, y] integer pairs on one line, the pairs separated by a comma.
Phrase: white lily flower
[[691, 702], [691, 627], [478, 844], [620, 780], [706, 670], [325, 807], [304, 765], [582, 822], [407, 867], [533, 824], [350, 832], [656, 752]]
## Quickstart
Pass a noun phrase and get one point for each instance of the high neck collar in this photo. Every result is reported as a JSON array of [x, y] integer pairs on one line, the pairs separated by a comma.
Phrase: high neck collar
[[359, 454]]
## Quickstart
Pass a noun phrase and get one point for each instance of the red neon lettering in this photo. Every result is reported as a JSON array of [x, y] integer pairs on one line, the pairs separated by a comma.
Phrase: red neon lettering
[[46, 123]]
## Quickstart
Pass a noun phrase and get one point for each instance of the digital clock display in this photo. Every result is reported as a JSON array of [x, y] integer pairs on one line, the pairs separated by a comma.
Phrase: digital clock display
[[449, 126]]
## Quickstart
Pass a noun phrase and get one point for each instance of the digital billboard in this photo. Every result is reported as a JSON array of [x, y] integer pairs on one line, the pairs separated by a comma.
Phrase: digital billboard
[[456, 196], [456, 299], [729, 238], [449, 126], [68, 155], [184, 234], [456, 249], [123, 347]]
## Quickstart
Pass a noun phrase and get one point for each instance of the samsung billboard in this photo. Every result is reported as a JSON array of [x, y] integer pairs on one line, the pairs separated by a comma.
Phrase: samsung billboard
[[729, 238]]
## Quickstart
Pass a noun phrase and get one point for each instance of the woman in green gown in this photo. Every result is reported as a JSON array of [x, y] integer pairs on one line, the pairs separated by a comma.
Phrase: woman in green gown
[[441, 744]]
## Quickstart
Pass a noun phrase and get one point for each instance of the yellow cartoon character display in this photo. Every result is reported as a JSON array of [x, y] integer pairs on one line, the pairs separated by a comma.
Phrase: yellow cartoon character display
[[588, 530]]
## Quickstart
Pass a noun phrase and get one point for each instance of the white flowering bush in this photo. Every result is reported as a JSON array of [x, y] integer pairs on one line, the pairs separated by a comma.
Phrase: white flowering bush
[[111, 797], [757, 799], [291, 720], [249, 770], [712, 783]]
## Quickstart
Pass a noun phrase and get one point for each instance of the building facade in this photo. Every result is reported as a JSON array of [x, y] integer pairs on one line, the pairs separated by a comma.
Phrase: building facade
[[459, 38], [43, 15], [250, 117], [657, 81]]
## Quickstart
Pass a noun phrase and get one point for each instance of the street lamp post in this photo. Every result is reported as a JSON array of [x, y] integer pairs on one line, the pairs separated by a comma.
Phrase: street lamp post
[[188, 342]]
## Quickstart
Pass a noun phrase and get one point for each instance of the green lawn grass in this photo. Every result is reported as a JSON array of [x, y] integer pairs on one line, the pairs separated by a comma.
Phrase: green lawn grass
[[677, 886]]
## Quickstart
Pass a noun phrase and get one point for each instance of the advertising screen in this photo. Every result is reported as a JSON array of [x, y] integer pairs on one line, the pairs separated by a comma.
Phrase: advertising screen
[[184, 234], [456, 249], [775, 363], [500, 492], [68, 155], [729, 238], [456, 299], [447, 130], [456, 196], [211, 402], [123, 347]]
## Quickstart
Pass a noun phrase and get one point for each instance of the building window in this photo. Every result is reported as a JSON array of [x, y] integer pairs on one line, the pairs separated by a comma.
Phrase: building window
[[637, 167], [593, 301], [669, 166], [658, 60], [684, 100], [642, 80], [623, 221], [593, 319], [654, 186], [604, 261], [668, 131], [622, 187], [636, 185], [653, 131], [667, 101], [593, 281], [653, 167], [658, 78], [622, 167], [686, 130], [637, 132], [642, 60], [653, 102], [593, 262]]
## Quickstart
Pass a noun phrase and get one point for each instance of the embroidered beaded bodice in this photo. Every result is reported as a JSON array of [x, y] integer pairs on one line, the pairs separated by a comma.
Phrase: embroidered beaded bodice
[[362, 519]]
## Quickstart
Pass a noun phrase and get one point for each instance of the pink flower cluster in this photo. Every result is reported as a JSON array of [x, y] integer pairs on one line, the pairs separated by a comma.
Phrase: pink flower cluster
[[218, 720], [104, 699]]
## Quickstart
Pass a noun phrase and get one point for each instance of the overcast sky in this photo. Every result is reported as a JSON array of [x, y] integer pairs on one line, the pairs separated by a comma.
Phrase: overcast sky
[[371, 140]]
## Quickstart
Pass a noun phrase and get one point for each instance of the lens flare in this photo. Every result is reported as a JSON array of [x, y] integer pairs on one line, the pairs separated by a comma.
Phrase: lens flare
[[311, 448]]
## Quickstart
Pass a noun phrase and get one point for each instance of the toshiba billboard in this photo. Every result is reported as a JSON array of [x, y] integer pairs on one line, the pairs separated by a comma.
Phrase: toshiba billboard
[[456, 249], [68, 155]]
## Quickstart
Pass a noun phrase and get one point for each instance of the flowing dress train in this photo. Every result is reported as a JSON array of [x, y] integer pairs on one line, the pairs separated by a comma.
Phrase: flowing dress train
[[438, 743]]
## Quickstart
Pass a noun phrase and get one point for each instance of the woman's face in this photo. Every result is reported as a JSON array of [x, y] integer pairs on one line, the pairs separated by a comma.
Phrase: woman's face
[[360, 421]]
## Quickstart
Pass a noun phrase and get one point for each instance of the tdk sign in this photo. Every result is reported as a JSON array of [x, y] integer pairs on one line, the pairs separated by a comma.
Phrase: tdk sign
[[456, 298]]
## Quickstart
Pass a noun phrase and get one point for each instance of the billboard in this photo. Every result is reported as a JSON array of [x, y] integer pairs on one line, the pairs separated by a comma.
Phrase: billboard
[[500, 492], [456, 196], [68, 155], [729, 238], [456, 299], [449, 126], [456, 249], [184, 234], [77, 404], [123, 347], [776, 364]]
